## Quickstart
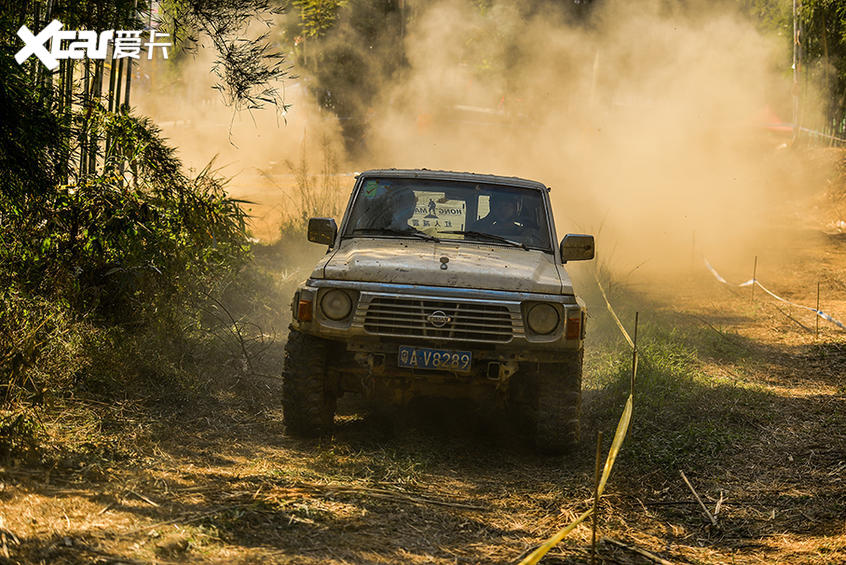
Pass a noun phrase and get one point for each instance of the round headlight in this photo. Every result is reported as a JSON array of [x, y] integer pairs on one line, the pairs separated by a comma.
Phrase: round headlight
[[336, 305], [542, 318]]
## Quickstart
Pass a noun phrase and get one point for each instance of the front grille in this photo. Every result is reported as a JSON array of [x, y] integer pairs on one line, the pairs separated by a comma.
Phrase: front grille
[[410, 317]]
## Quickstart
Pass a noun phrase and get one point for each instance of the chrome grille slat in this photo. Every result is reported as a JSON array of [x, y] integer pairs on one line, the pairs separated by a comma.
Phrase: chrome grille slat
[[421, 326], [473, 322], [407, 317], [474, 318], [440, 306]]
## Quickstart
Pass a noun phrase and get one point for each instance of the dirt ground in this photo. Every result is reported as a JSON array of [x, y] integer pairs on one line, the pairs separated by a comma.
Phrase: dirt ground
[[762, 428]]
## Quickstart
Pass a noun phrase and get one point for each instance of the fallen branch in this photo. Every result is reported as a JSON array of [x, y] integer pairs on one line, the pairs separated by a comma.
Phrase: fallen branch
[[719, 506], [391, 495], [699, 500], [651, 556], [142, 497], [106, 508], [184, 519]]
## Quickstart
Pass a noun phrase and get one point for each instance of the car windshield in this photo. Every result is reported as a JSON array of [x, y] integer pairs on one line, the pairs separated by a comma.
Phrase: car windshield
[[449, 210]]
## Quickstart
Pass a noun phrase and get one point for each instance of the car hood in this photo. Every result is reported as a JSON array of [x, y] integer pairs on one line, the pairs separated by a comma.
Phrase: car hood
[[470, 265]]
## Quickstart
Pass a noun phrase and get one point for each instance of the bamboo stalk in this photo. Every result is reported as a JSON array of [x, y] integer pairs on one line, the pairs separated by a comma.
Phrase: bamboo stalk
[[36, 24], [69, 86], [83, 130], [118, 107], [68, 94], [128, 85], [119, 84], [95, 102], [46, 74], [60, 101], [111, 82], [129, 65], [107, 148]]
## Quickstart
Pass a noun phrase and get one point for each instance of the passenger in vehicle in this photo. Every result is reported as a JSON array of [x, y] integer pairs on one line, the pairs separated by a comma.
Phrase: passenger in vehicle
[[403, 203], [391, 210]]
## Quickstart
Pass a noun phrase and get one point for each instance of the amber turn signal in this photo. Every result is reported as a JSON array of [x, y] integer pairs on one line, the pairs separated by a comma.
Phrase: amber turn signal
[[304, 310], [574, 328]]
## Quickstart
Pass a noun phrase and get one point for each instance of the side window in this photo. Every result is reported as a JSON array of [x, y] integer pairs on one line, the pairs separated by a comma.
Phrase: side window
[[484, 206]]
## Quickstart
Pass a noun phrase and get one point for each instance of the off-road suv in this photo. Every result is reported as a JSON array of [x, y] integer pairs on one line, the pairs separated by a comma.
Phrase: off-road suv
[[440, 284]]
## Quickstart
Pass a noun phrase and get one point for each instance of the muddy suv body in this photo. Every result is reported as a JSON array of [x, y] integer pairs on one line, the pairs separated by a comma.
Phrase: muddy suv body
[[441, 284]]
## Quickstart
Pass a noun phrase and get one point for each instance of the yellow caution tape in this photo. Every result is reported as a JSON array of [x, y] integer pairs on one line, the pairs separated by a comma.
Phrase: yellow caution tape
[[619, 436], [537, 554], [611, 310]]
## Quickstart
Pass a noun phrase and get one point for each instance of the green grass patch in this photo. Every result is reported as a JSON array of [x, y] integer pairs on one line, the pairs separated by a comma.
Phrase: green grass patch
[[683, 417]]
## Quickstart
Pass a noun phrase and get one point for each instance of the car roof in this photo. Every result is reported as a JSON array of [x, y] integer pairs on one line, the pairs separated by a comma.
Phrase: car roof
[[455, 176]]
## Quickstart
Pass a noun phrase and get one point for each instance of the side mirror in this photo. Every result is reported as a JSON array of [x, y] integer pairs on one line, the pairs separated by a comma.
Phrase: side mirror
[[322, 230], [577, 247]]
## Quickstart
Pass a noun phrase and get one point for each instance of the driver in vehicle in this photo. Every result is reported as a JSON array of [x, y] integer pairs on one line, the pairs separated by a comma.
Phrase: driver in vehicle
[[502, 219], [509, 218]]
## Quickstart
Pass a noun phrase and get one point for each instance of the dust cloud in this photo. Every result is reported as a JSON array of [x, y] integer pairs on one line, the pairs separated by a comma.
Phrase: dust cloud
[[267, 154], [649, 125], [649, 122]]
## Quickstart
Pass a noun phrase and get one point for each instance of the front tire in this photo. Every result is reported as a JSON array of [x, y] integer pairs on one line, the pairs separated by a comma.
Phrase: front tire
[[308, 403], [548, 400]]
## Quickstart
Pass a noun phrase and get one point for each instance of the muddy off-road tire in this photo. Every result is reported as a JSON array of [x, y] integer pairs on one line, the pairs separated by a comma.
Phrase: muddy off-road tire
[[547, 400], [308, 406]]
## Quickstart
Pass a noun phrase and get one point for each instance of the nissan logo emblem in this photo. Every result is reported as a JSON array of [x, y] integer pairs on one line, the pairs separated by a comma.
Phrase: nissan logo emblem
[[438, 318]]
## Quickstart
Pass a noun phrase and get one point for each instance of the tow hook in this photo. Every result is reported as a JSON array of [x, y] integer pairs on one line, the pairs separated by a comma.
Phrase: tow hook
[[501, 371], [375, 364]]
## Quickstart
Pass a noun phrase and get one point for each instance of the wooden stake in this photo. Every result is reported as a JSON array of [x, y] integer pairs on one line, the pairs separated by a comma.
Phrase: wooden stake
[[754, 277], [595, 498], [634, 356], [817, 314], [699, 500]]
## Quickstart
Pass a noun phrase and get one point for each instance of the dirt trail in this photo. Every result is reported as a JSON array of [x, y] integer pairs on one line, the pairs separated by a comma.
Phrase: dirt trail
[[221, 483]]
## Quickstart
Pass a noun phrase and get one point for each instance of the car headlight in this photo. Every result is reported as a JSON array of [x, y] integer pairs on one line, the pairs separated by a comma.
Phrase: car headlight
[[542, 318], [336, 305]]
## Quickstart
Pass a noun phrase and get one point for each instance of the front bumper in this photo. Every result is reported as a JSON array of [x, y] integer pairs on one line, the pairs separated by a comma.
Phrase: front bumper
[[490, 323]]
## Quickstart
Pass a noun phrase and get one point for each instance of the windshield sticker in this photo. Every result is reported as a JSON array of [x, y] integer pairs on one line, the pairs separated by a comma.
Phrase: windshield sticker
[[372, 189], [435, 213]]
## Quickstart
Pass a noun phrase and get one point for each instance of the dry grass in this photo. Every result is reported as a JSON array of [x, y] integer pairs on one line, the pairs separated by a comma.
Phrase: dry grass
[[743, 399]]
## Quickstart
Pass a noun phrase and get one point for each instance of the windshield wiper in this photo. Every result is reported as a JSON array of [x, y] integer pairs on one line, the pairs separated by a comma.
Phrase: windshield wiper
[[390, 231], [489, 236]]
